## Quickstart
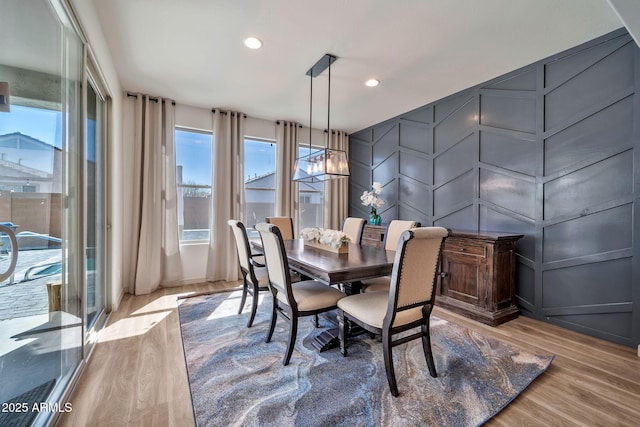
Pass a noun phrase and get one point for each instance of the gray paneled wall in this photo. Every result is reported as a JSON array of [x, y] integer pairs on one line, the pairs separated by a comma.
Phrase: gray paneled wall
[[551, 151]]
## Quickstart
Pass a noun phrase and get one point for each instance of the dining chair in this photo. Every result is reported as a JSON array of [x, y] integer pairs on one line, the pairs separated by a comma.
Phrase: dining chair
[[353, 228], [284, 223], [306, 298], [406, 306], [254, 273], [391, 238]]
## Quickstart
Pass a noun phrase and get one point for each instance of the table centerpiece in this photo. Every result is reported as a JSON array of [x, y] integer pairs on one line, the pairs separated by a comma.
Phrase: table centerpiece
[[326, 239]]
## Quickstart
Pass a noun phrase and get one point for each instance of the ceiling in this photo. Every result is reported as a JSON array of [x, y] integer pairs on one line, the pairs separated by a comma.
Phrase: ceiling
[[421, 50]]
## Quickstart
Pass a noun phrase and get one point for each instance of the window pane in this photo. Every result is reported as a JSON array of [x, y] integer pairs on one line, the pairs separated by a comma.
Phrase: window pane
[[311, 198], [94, 200], [193, 157], [193, 175], [260, 181], [194, 213]]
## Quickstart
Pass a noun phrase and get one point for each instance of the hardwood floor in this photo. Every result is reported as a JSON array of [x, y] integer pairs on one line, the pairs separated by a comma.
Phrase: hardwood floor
[[137, 375]]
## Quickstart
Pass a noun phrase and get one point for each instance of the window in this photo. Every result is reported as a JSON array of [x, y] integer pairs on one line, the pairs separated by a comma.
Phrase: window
[[311, 198], [260, 181], [193, 175]]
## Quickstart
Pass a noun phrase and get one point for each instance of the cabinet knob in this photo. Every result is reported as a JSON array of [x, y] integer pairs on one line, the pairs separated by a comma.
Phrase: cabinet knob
[[443, 274], [461, 249]]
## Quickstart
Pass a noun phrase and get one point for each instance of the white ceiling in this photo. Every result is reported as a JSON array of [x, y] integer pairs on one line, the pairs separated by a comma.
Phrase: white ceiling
[[420, 50]]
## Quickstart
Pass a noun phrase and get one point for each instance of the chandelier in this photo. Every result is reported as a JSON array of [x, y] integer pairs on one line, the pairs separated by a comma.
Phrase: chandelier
[[327, 163]]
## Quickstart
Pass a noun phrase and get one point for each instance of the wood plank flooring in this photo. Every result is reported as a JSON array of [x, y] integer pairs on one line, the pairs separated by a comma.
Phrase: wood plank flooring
[[137, 375]]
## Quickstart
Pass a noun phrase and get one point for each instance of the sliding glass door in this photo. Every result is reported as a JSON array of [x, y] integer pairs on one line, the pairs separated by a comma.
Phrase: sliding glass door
[[52, 200]]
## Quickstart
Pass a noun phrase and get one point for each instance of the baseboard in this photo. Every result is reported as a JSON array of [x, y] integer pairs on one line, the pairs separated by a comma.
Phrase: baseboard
[[193, 281]]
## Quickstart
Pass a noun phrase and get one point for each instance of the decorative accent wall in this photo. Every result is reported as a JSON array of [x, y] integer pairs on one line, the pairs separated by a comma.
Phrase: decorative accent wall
[[551, 151]]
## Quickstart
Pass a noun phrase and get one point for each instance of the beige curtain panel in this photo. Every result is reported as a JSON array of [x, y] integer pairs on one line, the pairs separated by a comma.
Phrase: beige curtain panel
[[286, 152], [154, 231], [336, 191], [227, 196]]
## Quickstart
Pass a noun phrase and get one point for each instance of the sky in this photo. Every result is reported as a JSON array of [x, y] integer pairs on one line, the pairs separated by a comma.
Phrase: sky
[[42, 124], [36, 122], [191, 147]]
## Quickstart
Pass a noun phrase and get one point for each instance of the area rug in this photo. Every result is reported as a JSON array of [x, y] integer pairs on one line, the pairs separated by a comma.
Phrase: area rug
[[238, 379]]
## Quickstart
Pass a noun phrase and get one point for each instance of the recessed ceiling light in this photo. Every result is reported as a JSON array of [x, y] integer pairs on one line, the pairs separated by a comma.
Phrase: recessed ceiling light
[[253, 43], [372, 82]]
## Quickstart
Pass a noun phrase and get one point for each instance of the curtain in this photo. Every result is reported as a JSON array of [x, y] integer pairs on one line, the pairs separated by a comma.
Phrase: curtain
[[227, 196], [336, 191], [287, 152], [155, 241]]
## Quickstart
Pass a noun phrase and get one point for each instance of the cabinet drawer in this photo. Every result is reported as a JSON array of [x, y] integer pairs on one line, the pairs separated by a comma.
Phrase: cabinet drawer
[[465, 247], [372, 235]]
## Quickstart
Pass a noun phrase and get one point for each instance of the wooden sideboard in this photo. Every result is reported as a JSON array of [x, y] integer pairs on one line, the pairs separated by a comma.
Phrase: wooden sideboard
[[478, 276], [478, 273], [373, 235]]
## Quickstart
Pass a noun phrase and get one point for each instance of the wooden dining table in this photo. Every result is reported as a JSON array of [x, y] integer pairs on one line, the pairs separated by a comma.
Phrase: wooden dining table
[[346, 269]]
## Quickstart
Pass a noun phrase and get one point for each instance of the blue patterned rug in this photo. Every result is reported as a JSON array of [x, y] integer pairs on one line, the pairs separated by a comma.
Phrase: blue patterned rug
[[238, 379]]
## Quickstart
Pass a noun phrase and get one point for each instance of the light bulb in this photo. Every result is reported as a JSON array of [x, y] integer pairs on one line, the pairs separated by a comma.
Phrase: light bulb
[[253, 43]]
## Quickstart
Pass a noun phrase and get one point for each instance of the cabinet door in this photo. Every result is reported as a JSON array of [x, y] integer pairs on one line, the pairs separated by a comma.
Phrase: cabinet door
[[465, 277]]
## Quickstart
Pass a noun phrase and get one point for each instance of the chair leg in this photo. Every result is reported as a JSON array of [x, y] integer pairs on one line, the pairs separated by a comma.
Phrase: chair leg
[[426, 347], [272, 326], [388, 362], [316, 321], [293, 331], [342, 332], [254, 305], [244, 294]]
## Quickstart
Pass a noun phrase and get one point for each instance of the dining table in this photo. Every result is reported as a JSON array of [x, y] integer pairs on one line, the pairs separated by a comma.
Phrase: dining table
[[347, 270]]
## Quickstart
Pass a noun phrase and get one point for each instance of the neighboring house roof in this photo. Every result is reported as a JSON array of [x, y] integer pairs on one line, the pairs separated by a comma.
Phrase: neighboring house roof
[[268, 181], [26, 142], [11, 144]]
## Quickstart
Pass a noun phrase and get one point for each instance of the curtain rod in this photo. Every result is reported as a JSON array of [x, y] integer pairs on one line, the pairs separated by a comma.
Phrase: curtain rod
[[224, 113], [151, 98], [289, 124]]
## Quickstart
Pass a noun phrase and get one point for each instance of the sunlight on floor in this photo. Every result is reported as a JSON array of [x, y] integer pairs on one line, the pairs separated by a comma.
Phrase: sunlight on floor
[[162, 303], [230, 305], [132, 326]]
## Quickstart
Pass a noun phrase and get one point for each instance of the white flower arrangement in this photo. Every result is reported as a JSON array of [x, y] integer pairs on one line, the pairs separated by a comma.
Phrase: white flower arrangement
[[372, 198], [325, 236]]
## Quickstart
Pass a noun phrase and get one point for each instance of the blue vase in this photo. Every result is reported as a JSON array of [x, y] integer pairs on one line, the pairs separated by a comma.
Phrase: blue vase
[[375, 219]]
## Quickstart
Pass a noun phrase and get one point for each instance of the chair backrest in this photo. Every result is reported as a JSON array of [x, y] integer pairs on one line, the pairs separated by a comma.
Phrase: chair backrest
[[415, 267], [394, 230], [353, 227], [242, 244], [276, 261], [284, 223]]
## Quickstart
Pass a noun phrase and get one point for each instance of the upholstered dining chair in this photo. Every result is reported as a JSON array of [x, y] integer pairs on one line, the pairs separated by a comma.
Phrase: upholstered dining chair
[[353, 227], [284, 223], [306, 298], [254, 273], [394, 230], [406, 306]]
